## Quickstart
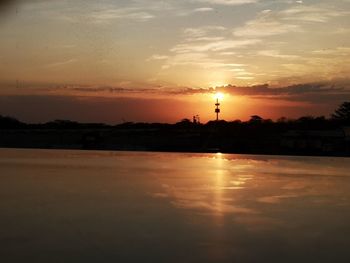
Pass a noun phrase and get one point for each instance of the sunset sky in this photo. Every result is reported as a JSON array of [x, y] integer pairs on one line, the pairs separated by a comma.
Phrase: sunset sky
[[147, 60]]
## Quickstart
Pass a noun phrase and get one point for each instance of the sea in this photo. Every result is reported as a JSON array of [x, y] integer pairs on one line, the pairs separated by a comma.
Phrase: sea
[[99, 206]]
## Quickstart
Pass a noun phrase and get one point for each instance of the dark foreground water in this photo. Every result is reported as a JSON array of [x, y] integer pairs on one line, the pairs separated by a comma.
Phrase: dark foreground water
[[75, 206]]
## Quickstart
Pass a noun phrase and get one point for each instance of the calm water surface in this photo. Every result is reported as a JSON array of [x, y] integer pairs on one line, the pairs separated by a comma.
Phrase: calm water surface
[[75, 206]]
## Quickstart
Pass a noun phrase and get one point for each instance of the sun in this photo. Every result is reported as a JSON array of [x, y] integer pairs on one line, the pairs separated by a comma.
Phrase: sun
[[219, 96]]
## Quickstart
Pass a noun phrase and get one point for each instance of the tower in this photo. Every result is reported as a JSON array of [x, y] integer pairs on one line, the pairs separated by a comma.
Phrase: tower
[[217, 109]]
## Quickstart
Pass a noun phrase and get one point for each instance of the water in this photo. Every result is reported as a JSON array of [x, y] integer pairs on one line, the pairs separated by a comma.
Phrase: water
[[75, 206]]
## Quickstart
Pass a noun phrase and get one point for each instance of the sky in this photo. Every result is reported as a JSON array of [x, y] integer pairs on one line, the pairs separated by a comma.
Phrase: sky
[[162, 61]]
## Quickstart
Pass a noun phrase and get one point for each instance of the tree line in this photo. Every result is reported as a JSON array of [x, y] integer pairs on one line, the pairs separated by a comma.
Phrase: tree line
[[340, 117]]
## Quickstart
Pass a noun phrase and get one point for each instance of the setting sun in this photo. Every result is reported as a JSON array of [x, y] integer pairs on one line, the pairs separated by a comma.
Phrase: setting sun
[[219, 96]]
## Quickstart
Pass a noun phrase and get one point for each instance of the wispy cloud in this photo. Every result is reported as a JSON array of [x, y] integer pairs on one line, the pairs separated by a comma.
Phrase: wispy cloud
[[207, 47], [202, 31], [61, 63], [204, 9], [266, 24], [276, 54], [307, 88], [109, 11], [339, 51], [214, 45], [293, 19], [194, 59], [199, 10], [122, 13], [157, 57], [312, 13], [97, 13]]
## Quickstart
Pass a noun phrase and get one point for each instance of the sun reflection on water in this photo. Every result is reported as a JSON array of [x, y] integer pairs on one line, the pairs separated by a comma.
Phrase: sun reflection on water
[[245, 190]]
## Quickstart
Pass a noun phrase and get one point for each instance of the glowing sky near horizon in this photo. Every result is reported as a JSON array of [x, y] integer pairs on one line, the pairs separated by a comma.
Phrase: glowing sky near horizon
[[141, 46]]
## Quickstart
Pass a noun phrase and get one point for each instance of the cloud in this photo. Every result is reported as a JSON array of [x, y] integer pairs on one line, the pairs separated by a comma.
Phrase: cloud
[[204, 33], [199, 10], [214, 46], [199, 59], [108, 89], [205, 46], [61, 63], [294, 19], [189, 58], [265, 25], [312, 13], [121, 13], [339, 51], [276, 54], [299, 89], [95, 12], [204, 9], [328, 88], [157, 57]]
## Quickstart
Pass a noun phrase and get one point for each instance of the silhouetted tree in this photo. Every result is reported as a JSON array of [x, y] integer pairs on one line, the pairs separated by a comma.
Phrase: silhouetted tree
[[342, 113], [9, 122], [255, 119], [282, 120], [184, 123], [62, 124], [267, 121]]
